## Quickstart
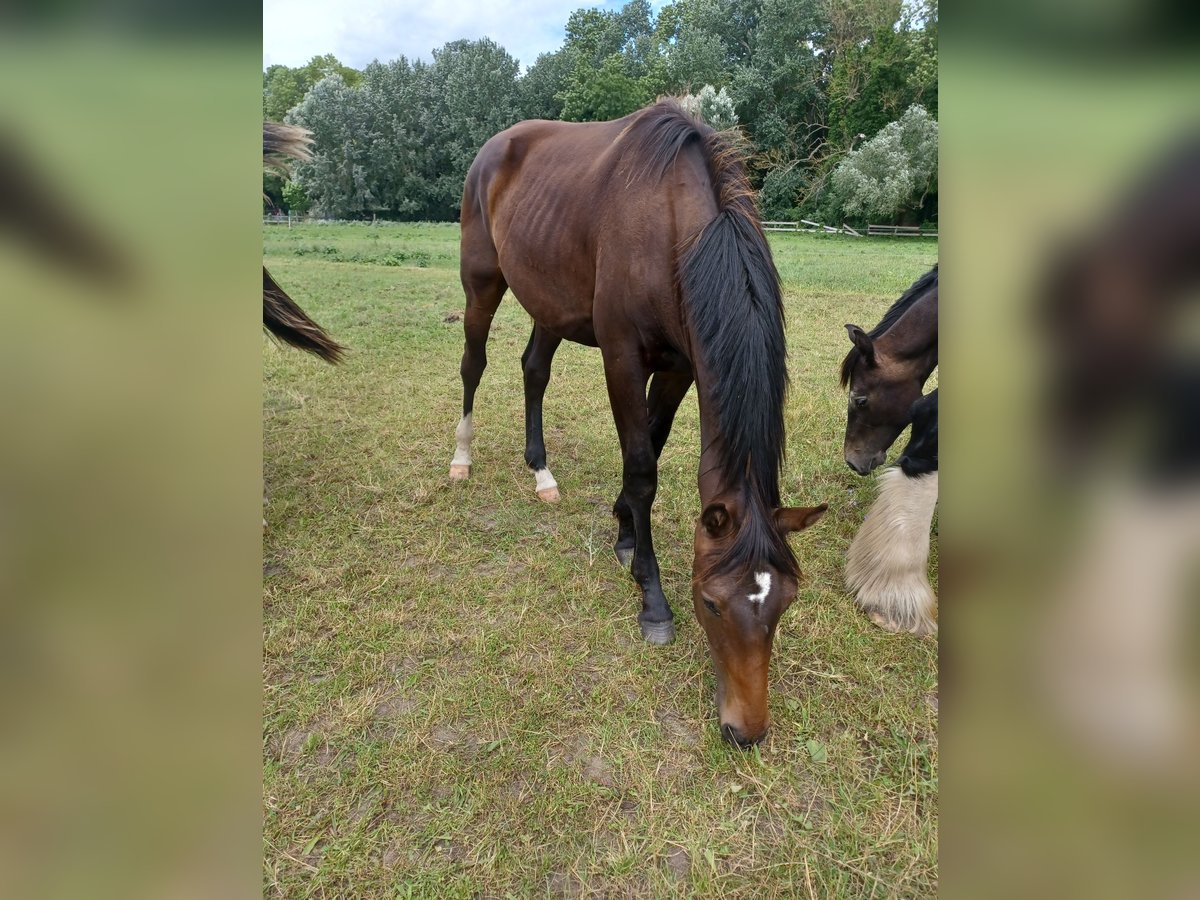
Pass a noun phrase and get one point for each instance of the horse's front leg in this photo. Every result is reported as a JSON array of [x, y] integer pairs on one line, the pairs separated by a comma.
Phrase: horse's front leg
[[667, 390], [627, 393]]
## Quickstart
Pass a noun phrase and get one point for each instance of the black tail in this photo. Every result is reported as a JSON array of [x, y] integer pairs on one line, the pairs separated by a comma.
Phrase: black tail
[[282, 316], [290, 324]]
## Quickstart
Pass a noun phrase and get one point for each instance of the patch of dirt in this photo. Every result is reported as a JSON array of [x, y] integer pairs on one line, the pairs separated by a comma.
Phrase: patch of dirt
[[445, 737], [452, 317], [564, 884], [446, 848], [394, 708], [597, 771], [679, 863], [676, 727]]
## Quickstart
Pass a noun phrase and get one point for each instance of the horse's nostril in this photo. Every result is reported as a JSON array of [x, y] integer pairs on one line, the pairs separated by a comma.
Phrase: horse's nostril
[[734, 736]]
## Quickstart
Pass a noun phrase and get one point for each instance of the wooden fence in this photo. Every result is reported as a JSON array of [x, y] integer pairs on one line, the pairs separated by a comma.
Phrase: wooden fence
[[805, 226], [900, 231]]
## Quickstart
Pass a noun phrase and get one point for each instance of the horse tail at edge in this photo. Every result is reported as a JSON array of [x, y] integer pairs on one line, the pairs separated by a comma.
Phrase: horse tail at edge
[[287, 322], [282, 316]]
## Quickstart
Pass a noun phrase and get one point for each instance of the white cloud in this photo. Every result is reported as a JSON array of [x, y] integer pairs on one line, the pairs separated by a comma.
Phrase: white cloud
[[358, 31]]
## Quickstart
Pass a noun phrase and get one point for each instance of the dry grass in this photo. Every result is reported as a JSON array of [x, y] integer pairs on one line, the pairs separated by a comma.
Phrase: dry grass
[[457, 699]]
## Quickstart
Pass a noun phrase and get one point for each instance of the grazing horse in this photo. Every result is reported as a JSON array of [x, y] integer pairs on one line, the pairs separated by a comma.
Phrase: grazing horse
[[282, 316], [886, 370], [640, 236], [888, 562]]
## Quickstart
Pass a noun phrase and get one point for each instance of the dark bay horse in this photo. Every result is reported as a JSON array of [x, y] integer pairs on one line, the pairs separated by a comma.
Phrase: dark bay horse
[[640, 237], [886, 370]]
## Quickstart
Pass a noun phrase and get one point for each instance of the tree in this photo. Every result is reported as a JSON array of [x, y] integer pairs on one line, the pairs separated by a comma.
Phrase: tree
[[891, 174], [542, 84], [337, 179], [713, 106], [606, 93], [283, 87], [469, 94]]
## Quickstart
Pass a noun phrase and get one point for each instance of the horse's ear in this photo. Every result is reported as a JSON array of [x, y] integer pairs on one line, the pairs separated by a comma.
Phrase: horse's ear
[[715, 519], [797, 518], [862, 341]]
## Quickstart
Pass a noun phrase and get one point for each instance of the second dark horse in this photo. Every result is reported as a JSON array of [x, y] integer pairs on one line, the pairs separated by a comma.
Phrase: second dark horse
[[640, 237]]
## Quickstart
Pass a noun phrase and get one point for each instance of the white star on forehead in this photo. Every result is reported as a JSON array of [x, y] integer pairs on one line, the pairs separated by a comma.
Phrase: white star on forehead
[[763, 580]]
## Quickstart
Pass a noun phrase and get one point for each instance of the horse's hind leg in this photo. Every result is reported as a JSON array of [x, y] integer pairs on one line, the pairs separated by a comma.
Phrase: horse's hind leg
[[484, 289], [667, 390], [886, 566], [535, 364]]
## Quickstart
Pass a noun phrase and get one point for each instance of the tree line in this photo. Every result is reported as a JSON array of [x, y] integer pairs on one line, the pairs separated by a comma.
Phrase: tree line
[[836, 99]]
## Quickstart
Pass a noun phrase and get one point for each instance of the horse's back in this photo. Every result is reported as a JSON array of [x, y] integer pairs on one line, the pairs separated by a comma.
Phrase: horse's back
[[567, 219]]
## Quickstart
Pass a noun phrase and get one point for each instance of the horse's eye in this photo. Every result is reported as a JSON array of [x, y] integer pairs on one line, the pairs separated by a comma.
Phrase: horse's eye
[[860, 402], [712, 607]]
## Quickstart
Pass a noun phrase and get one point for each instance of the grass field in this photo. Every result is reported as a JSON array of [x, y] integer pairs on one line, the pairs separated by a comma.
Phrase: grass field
[[457, 700]]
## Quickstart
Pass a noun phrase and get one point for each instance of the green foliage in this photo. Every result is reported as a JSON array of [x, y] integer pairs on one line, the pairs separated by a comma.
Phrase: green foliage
[[806, 80], [596, 95], [780, 192], [284, 88], [712, 106], [893, 172], [399, 143], [543, 83], [295, 198]]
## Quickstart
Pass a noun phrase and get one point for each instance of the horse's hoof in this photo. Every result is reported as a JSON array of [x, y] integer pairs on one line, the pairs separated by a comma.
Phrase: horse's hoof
[[549, 495], [624, 555], [884, 622], [459, 473], [658, 632]]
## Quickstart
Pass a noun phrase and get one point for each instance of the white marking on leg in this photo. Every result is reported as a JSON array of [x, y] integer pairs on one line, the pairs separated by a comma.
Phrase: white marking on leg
[[763, 580], [463, 435], [547, 487], [886, 566]]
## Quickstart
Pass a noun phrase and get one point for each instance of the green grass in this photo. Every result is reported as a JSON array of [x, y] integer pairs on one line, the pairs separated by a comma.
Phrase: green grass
[[457, 699]]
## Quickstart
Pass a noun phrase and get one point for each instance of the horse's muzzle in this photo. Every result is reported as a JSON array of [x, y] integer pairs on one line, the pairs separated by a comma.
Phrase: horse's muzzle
[[734, 735]]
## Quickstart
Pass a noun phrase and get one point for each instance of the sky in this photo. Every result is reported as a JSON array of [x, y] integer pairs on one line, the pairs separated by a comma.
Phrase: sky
[[358, 31]]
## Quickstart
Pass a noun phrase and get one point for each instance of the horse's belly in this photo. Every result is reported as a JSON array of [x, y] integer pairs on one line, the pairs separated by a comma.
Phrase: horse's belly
[[555, 300]]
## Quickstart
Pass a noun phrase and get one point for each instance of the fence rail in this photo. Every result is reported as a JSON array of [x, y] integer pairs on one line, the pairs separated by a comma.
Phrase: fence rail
[[900, 231], [807, 226], [804, 226]]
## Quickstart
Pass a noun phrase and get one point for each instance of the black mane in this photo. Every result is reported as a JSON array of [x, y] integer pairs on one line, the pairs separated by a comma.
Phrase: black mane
[[733, 304], [919, 288]]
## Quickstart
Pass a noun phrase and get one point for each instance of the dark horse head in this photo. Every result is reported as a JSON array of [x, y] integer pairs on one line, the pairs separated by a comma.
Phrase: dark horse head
[[739, 606], [885, 371]]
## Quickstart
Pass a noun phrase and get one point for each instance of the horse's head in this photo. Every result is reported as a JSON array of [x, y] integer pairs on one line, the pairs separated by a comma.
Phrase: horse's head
[[884, 384], [739, 607]]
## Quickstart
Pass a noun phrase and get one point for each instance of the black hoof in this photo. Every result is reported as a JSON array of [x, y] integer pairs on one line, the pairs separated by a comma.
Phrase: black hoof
[[658, 632], [624, 555]]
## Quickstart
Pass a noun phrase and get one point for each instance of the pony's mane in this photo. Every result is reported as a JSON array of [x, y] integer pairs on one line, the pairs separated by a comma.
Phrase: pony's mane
[[733, 306], [891, 317]]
